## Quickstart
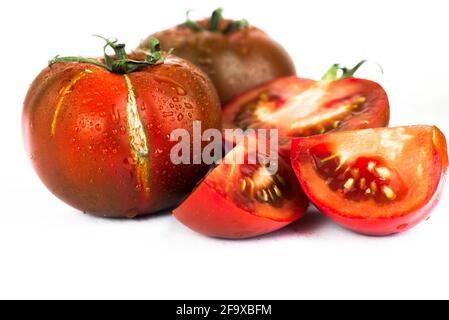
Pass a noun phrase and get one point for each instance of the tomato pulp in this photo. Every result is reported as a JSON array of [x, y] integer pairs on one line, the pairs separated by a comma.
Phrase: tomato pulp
[[375, 181]]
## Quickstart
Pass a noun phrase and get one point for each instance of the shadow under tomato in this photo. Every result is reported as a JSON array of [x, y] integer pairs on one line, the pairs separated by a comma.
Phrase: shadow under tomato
[[306, 226]]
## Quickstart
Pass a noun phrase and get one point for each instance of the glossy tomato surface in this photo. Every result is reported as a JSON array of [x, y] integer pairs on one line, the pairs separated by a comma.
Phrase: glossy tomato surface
[[236, 62], [302, 107], [100, 141], [374, 181], [243, 200]]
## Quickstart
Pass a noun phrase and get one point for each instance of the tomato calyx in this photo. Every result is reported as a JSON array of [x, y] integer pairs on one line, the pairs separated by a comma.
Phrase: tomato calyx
[[120, 62], [214, 23], [339, 71]]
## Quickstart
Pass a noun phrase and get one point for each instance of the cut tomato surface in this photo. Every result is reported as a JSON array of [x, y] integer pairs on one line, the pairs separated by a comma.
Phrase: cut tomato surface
[[244, 200], [302, 107], [375, 181]]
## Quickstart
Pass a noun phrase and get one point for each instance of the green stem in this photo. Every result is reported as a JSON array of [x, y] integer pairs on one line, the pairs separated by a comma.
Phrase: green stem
[[214, 23], [339, 72], [120, 63], [76, 59], [195, 26], [236, 25]]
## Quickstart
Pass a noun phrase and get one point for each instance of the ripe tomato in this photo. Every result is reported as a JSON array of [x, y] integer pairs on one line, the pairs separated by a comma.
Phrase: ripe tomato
[[374, 181], [243, 200], [98, 131], [302, 107], [236, 56]]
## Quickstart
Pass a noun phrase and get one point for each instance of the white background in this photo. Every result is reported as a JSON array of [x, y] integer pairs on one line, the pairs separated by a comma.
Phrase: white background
[[48, 250]]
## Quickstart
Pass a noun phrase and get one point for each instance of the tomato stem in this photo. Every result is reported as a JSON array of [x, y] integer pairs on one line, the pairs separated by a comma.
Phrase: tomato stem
[[339, 72], [120, 63], [236, 25], [214, 23]]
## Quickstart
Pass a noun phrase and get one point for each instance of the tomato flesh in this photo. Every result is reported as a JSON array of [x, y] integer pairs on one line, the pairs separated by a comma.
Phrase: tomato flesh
[[301, 107], [243, 200], [375, 181]]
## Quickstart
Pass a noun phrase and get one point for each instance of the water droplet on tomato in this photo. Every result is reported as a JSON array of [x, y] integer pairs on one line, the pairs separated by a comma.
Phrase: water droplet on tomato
[[188, 105], [122, 130], [180, 117], [167, 114], [98, 127], [77, 129], [115, 116], [102, 114]]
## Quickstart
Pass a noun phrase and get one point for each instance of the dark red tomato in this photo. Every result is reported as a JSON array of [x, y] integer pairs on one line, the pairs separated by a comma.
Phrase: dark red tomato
[[99, 135], [375, 181], [236, 56], [243, 200], [302, 107]]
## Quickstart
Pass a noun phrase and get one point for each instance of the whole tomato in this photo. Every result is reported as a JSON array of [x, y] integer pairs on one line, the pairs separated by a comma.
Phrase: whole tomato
[[236, 56], [98, 130]]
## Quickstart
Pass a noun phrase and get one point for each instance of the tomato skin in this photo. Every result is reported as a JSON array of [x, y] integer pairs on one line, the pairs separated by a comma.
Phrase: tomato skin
[[376, 226], [235, 62], [221, 219], [83, 153]]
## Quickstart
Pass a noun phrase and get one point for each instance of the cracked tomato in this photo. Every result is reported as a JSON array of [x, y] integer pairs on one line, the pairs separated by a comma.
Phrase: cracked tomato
[[98, 131], [375, 181], [243, 200]]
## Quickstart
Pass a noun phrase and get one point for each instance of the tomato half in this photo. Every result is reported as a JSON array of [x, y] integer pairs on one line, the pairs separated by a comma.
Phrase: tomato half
[[302, 107], [243, 200], [236, 56], [99, 136], [375, 181]]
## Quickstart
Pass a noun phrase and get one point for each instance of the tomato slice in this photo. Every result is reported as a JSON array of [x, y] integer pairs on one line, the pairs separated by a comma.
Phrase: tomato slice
[[375, 181], [243, 200], [302, 107]]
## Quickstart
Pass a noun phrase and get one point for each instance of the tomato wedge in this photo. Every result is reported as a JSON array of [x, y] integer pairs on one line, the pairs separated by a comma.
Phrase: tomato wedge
[[375, 181], [238, 201], [302, 107]]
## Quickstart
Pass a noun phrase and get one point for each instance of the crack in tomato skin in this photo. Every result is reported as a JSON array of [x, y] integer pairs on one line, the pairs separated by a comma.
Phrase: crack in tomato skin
[[64, 91], [361, 179], [138, 141]]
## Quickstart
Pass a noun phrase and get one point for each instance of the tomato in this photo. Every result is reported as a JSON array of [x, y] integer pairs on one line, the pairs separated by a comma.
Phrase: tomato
[[98, 131], [243, 200], [236, 56], [375, 181], [301, 107]]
